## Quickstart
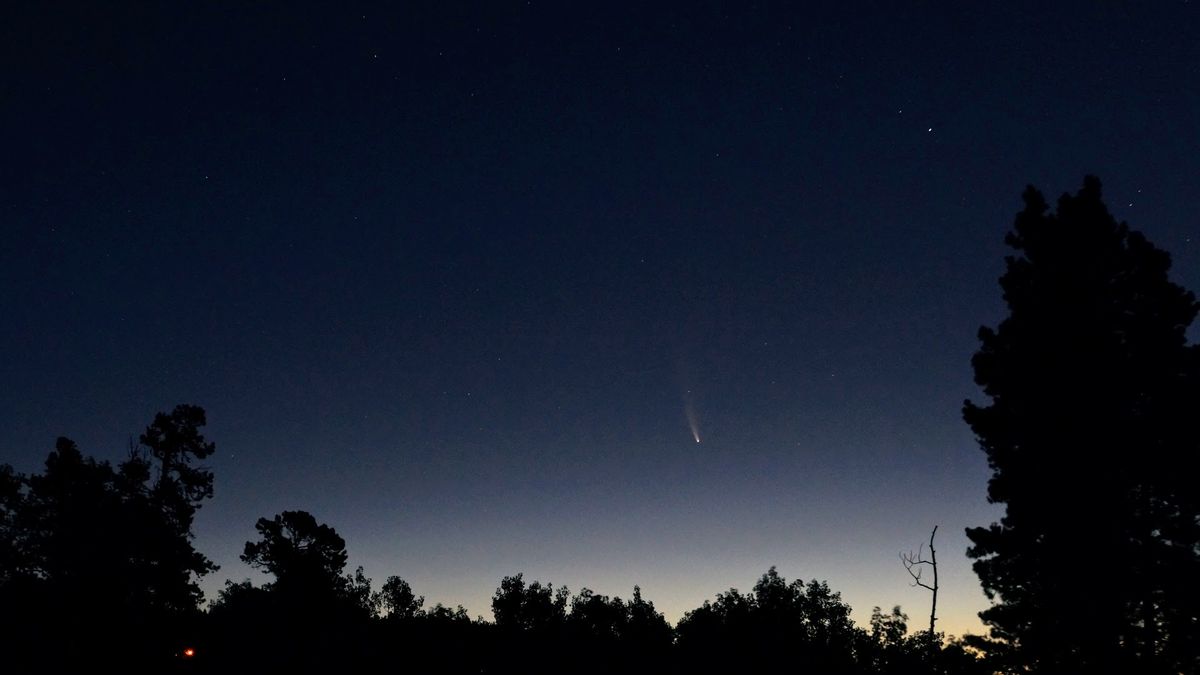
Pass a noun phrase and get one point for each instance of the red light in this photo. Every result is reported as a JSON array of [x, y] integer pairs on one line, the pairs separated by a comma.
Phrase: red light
[[189, 653]]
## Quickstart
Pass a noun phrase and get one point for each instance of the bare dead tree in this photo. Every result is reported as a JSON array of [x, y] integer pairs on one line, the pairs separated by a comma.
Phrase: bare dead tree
[[912, 562]]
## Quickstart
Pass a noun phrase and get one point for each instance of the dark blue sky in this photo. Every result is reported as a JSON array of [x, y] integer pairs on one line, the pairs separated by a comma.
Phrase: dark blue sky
[[448, 277]]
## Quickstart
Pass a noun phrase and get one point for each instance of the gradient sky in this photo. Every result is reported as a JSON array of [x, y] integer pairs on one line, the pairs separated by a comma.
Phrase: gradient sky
[[451, 277]]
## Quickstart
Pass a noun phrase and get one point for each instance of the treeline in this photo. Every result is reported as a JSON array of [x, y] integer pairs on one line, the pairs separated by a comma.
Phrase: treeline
[[98, 572]]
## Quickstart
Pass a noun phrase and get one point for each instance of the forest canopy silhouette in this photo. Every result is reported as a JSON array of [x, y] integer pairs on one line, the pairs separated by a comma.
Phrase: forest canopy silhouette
[[1090, 390]]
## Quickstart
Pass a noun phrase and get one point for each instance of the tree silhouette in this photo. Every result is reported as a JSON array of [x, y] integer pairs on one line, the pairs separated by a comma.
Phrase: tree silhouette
[[890, 649], [530, 625], [529, 607], [398, 601], [308, 561], [779, 626], [540, 628], [12, 549], [298, 551], [646, 630], [312, 616], [1092, 390], [171, 564], [97, 560], [617, 636]]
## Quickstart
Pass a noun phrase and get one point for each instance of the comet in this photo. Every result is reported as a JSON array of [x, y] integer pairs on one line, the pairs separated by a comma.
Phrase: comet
[[689, 404], [693, 424]]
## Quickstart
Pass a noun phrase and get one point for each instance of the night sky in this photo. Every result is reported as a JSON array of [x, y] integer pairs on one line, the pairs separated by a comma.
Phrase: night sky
[[464, 282]]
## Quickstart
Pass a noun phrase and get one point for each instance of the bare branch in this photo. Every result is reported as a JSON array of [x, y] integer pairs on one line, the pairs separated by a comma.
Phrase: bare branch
[[912, 562]]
